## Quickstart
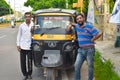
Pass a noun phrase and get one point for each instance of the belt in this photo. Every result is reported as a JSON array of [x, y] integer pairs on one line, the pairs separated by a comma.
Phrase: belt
[[86, 47]]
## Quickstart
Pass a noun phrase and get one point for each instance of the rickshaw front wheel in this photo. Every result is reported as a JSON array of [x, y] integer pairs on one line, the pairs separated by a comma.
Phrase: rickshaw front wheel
[[51, 74]]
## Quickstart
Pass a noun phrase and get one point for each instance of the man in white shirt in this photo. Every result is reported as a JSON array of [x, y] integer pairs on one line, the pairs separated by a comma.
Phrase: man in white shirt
[[24, 46], [12, 23]]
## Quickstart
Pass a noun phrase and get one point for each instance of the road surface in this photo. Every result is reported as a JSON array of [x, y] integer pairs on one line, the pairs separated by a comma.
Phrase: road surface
[[10, 63]]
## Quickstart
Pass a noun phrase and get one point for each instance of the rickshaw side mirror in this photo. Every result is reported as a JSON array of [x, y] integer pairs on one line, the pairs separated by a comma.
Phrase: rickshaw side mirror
[[34, 28]]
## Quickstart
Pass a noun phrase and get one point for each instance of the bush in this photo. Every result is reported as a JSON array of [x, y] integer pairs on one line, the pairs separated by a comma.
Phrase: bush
[[104, 70]]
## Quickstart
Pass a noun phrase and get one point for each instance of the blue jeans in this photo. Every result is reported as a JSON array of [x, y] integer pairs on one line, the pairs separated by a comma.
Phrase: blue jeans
[[88, 55]]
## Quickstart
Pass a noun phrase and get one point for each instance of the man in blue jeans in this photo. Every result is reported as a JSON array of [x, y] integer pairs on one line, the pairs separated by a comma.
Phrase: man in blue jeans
[[86, 35]]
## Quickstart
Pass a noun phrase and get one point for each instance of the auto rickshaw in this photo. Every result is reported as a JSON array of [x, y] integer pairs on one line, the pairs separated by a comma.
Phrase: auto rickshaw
[[54, 48]]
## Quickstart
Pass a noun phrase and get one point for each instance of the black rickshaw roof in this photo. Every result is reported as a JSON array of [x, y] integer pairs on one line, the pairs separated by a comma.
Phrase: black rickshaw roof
[[56, 10]]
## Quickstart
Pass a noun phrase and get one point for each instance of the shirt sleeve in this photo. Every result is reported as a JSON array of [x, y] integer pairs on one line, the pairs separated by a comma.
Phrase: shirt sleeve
[[19, 36], [94, 31]]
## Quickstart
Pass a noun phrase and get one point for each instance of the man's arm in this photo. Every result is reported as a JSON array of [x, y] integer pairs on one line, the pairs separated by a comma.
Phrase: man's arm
[[18, 39], [69, 27], [97, 36]]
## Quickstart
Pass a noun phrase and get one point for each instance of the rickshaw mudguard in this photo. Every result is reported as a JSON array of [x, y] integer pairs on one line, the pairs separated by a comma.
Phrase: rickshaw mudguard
[[52, 58]]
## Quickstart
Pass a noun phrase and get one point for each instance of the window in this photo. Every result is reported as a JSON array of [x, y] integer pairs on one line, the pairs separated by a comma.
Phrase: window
[[53, 21]]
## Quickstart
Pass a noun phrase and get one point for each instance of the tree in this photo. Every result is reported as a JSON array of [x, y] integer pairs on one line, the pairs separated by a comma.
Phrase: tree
[[4, 8], [111, 5], [70, 2], [43, 4], [85, 6]]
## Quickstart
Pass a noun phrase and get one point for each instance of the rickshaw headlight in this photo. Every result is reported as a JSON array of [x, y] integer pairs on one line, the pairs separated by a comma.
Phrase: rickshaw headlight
[[68, 47], [36, 47]]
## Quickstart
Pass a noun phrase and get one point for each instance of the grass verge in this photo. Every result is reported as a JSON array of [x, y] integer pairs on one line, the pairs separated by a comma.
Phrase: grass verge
[[104, 70], [4, 25], [8, 24]]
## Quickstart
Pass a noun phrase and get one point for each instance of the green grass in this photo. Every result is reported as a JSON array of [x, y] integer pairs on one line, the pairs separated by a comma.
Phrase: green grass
[[104, 70]]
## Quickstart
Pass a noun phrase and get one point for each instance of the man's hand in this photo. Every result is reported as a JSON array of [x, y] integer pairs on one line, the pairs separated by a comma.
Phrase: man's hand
[[69, 27], [18, 48], [72, 24]]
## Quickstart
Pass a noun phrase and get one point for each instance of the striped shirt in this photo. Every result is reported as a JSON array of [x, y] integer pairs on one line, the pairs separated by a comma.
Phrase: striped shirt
[[85, 34]]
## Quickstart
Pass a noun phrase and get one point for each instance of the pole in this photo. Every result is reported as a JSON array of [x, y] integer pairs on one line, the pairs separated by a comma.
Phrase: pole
[[9, 10], [14, 10], [102, 19]]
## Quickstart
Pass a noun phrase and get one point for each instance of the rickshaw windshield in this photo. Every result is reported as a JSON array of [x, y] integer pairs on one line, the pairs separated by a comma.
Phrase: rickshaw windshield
[[53, 21]]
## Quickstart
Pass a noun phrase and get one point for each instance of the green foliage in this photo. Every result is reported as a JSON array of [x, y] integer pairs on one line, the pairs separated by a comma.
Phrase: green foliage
[[43, 4], [54, 4], [4, 8], [58, 4], [107, 1], [70, 3], [85, 8], [111, 5], [104, 70], [36, 4], [85, 5]]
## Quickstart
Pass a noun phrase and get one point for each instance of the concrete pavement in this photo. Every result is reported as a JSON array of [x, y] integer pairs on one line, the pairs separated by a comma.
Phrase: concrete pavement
[[109, 52]]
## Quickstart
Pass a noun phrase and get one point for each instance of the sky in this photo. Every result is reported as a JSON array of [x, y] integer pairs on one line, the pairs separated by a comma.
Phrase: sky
[[18, 5]]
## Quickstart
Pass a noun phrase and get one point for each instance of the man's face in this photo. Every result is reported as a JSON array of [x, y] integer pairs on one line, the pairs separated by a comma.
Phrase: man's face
[[80, 19], [27, 18]]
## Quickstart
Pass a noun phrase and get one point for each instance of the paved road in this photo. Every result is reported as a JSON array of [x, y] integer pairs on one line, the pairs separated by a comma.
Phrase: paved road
[[9, 57], [10, 63]]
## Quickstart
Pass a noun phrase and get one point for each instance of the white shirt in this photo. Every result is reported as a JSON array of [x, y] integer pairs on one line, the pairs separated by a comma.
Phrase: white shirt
[[12, 23], [24, 36]]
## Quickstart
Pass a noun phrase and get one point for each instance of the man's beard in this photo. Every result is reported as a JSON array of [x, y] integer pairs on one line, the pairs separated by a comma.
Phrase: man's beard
[[27, 21], [81, 23]]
